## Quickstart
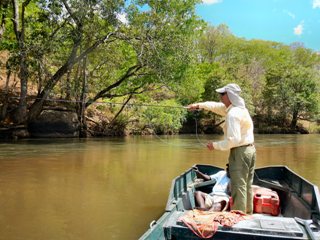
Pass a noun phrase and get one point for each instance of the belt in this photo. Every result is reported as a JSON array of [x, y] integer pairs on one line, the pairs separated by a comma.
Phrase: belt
[[247, 145]]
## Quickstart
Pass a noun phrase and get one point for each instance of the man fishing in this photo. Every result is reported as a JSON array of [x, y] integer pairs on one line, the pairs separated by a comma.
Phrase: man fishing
[[239, 139]]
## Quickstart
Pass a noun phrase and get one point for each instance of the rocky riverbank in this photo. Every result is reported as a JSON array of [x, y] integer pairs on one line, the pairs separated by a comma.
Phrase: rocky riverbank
[[65, 124]]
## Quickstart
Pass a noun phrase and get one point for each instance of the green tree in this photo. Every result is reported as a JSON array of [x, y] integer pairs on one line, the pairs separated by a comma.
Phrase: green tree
[[268, 72], [302, 94], [85, 45], [291, 87]]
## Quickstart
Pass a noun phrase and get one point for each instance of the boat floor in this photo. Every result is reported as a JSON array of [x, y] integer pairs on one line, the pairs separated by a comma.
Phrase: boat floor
[[259, 225]]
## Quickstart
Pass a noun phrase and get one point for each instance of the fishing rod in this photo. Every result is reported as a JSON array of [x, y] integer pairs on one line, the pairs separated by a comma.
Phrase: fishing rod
[[136, 105], [104, 102]]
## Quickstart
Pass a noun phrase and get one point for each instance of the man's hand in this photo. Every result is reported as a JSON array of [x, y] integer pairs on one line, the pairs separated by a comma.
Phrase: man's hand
[[210, 146], [193, 107], [195, 168]]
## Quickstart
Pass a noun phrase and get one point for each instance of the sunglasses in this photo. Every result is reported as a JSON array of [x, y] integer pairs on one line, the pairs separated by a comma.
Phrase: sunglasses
[[222, 94]]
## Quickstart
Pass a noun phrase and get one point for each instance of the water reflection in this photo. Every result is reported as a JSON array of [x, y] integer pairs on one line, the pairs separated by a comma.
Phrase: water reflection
[[113, 188]]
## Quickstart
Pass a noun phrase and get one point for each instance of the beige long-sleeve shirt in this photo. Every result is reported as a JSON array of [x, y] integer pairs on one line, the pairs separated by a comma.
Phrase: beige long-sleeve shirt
[[238, 126]]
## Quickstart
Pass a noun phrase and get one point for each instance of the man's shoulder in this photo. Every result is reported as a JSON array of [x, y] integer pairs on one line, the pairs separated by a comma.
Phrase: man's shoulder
[[234, 109], [237, 112]]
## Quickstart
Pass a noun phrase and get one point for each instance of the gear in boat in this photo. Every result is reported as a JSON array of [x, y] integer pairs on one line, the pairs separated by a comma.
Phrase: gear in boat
[[297, 215]]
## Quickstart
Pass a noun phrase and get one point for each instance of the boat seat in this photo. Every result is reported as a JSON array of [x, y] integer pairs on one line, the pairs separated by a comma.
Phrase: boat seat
[[280, 226], [205, 186]]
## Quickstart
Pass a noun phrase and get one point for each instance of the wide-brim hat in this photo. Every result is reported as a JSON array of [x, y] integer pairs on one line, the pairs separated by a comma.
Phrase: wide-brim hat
[[233, 90], [229, 87]]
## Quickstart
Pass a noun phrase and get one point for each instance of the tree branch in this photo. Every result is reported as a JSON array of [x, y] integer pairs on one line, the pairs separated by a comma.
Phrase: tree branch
[[130, 72], [121, 109], [4, 8], [73, 16], [35, 108]]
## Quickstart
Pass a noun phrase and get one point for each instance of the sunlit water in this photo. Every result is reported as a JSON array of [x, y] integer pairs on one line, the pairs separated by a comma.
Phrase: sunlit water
[[113, 188]]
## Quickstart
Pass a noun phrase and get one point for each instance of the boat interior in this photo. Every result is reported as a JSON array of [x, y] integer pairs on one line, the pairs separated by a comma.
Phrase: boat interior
[[299, 215]]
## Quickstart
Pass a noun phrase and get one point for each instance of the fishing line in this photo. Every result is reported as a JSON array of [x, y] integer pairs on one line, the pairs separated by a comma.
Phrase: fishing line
[[132, 105], [104, 102], [197, 135], [202, 144], [167, 141]]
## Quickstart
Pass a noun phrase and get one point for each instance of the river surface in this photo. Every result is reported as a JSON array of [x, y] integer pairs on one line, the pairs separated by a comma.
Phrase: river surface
[[112, 188]]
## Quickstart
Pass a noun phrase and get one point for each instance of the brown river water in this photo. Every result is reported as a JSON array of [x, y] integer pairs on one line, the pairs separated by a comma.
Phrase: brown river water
[[112, 188]]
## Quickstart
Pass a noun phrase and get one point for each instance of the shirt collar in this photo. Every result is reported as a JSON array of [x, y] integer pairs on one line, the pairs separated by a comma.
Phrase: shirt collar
[[230, 106]]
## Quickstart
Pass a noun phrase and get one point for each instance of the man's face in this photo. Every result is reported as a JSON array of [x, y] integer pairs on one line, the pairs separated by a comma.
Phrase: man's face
[[225, 99]]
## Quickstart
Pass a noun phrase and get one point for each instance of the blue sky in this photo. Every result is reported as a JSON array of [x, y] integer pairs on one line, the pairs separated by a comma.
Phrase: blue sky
[[284, 21]]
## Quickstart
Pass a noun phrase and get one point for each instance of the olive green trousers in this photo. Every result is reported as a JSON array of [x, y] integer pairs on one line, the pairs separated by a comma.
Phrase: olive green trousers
[[241, 168]]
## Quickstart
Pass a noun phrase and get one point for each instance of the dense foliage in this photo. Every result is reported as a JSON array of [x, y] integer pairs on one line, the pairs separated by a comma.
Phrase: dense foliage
[[141, 52], [280, 83]]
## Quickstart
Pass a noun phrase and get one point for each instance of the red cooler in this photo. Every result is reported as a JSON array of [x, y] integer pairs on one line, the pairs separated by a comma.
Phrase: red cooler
[[266, 201]]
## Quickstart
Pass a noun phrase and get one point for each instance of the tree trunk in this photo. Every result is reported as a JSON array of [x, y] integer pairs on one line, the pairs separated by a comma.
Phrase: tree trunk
[[82, 102], [20, 113], [6, 100], [68, 86], [36, 107], [3, 17], [294, 119]]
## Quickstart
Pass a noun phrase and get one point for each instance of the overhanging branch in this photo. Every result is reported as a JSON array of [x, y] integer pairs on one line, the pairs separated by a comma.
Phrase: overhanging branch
[[130, 72]]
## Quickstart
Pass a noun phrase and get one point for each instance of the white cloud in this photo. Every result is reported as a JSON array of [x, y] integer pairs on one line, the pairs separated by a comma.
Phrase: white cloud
[[298, 29], [316, 4], [211, 1], [290, 13]]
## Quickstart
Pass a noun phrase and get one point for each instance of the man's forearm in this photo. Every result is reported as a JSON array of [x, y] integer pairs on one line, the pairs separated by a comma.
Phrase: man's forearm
[[202, 175]]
